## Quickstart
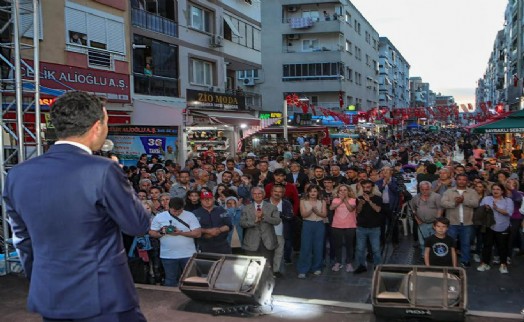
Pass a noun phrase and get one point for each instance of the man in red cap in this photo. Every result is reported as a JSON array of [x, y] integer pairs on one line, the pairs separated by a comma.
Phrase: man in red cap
[[215, 224]]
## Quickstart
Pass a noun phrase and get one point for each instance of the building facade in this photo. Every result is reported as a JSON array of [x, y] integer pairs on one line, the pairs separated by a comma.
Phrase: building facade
[[502, 82], [324, 51], [420, 94], [394, 76]]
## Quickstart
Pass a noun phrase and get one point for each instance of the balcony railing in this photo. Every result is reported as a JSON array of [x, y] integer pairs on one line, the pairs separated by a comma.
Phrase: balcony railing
[[153, 22], [155, 85]]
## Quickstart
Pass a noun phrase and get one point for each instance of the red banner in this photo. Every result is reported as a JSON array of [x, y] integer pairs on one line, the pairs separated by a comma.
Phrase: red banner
[[113, 86]]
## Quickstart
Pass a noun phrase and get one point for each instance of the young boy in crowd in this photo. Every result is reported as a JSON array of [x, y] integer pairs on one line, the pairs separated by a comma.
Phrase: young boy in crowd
[[440, 248]]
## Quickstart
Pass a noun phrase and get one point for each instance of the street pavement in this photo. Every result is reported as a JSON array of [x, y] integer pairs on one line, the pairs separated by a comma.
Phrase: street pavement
[[332, 296]]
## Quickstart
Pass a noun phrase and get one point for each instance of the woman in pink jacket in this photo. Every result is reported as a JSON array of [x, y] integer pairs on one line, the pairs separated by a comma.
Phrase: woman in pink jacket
[[344, 225]]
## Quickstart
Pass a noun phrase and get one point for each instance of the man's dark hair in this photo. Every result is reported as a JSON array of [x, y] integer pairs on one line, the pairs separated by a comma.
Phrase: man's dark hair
[[367, 181], [318, 167], [442, 220], [462, 175], [431, 168], [168, 163], [74, 113], [329, 178], [279, 172], [176, 203], [184, 171], [263, 161], [231, 173]]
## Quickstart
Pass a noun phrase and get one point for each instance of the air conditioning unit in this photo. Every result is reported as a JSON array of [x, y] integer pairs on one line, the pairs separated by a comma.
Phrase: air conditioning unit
[[249, 82], [292, 9], [293, 37], [216, 41]]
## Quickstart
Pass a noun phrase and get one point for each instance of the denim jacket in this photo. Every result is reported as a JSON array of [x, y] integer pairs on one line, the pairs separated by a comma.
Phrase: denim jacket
[[234, 214]]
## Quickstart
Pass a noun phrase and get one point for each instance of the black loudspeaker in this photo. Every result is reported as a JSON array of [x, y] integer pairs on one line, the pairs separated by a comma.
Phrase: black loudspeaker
[[434, 293], [231, 279]]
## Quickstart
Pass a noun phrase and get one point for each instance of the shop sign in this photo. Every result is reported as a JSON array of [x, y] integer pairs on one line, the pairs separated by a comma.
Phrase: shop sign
[[133, 140], [113, 86], [213, 100], [271, 115], [506, 130]]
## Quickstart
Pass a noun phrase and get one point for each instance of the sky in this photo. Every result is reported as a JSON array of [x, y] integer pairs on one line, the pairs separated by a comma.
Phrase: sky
[[446, 42]]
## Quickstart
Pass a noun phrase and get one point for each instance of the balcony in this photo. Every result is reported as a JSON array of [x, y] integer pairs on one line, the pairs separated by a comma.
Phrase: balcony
[[155, 85], [150, 21]]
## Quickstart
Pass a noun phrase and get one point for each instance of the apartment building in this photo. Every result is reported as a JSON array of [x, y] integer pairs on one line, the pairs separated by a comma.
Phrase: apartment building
[[503, 81], [324, 51], [394, 76], [419, 92], [83, 46], [198, 46]]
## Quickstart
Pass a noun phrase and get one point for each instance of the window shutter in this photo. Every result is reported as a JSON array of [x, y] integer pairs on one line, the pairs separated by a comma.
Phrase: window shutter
[[96, 29], [76, 21], [115, 36], [26, 19]]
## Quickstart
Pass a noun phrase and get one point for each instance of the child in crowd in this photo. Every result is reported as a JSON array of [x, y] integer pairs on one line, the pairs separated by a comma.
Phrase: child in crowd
[[440, 248]]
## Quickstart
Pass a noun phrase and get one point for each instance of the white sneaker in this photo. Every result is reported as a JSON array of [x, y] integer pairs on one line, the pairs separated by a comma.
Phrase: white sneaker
[[483, 268], [496, 260], [503, 269], [317, 273], [336, 267], [301, 276], [476, 258], [349, 268], [508, 260]]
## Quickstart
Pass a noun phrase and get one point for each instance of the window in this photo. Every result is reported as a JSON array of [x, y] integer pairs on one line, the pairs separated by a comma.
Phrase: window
[[200, 19], [349, 74], [202, 72], [250, 73], [94, 29], [314, 15], [161, 57], [349, 47], [310, 45], [358, 53], [26, 19], [315, 71], [347, 18]]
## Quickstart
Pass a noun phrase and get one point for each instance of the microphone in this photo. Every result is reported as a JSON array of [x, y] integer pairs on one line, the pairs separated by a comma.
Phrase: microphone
[[107, 146]]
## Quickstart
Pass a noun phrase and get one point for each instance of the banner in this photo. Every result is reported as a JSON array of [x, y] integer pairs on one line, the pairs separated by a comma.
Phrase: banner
[[133, 140]]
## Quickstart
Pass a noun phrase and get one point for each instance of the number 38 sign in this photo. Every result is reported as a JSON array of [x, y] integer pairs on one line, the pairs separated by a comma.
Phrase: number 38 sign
[[153, 145]]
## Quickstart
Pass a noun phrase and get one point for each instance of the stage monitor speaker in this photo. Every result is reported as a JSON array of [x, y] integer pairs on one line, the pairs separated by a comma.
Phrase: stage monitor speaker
[[231, 279], [435, 293]]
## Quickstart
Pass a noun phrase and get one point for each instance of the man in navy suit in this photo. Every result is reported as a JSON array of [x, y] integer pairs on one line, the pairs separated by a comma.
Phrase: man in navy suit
[[68, 209]]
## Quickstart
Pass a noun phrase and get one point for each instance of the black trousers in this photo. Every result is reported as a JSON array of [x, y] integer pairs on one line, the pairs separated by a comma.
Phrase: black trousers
[[390, 225], [133, 315], [501, 240], [344, 237], [262, 251]]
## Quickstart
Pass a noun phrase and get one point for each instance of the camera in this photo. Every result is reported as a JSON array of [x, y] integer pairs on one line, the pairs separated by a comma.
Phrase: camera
[[170, 228]]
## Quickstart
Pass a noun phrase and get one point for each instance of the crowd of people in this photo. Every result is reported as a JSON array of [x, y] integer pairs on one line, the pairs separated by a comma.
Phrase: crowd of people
[[337, 208]]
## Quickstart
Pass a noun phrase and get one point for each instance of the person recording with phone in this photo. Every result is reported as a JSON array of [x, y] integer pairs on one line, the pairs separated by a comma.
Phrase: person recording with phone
[[177, 229], [369, 221]]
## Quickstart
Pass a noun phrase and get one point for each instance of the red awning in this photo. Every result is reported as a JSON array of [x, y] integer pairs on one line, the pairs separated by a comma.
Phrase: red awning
[[490, 120], [293, 129]]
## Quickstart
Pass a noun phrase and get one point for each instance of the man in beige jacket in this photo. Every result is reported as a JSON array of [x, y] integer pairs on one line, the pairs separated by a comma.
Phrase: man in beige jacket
[[459, 203]]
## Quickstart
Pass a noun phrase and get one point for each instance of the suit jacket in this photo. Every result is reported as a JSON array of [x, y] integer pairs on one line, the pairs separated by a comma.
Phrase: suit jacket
[[68, 210], [393, 191], [291, 194], [263, 231], [302, 179]]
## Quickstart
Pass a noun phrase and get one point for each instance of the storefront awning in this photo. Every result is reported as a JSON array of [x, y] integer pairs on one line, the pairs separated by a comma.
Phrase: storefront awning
[[507, 125], [490, 120], [229, 118], [293, 129]]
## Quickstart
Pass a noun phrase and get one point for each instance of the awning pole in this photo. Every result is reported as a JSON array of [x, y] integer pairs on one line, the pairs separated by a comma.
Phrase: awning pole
[[284, 119]]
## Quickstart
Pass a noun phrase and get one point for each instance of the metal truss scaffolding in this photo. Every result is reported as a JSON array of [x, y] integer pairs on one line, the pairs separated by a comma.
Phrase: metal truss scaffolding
[[20, 137]]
